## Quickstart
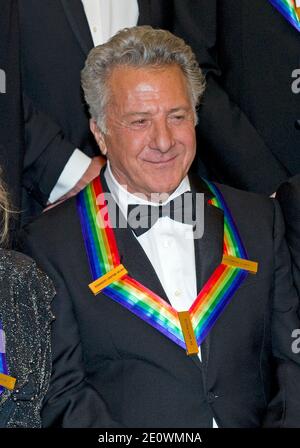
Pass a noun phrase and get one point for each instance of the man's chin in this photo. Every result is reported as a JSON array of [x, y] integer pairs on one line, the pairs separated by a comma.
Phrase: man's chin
[[164, 187]]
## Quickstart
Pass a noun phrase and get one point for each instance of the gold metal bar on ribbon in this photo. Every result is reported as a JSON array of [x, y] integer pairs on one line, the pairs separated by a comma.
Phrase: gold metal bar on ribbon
[[297, 6], [241, 263], [188, 333], [7, 381], [107, 279]]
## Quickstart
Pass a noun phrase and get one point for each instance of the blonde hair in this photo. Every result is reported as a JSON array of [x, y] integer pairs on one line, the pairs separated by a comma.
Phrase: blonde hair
[[4, 213]]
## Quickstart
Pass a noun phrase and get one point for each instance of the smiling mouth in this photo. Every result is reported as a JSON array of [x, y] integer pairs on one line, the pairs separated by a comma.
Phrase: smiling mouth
[[161, 162]]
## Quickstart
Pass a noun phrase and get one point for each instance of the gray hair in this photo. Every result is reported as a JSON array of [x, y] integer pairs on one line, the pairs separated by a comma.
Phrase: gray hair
[[137, 47]]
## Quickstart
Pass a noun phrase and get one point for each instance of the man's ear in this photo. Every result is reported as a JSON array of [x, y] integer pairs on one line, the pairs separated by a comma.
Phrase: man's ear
[[99, 136]]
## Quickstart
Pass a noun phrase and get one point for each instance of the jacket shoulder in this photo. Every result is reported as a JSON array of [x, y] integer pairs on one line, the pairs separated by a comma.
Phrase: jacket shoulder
[[11, 260], [55, 224], [248, 203]]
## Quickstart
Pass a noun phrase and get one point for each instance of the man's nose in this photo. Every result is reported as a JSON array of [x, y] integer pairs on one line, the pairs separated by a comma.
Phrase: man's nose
[[162, 136]]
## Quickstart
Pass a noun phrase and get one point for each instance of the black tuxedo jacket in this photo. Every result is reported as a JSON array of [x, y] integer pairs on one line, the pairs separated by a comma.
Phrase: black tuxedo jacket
[[111, 368], [249, 119], [289, 197], [55, 41]]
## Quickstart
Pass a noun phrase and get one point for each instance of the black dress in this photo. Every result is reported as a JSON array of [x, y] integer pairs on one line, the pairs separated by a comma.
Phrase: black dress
[[25, 316]]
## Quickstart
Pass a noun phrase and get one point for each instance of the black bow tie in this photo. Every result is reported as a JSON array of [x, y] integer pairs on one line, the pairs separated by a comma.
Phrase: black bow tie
[[142, 217]]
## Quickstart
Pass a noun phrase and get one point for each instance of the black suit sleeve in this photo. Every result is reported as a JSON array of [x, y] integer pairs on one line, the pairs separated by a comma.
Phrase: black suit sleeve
[[230, 146], [288, 196], [71, 402], [285, 319], [46, 153]]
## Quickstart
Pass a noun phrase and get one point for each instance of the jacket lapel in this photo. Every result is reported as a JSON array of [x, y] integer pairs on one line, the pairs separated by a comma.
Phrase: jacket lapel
[[208, 249], [137, 263], [132, 255], [144, 12], [156, 13], [77, 19]]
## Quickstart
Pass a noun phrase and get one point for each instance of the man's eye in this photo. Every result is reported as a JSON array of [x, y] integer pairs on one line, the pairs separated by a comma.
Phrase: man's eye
[[140, 122], [177, 117]]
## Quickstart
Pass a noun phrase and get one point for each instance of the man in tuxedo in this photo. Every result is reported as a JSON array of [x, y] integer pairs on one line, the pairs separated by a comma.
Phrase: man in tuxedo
[[56, 36], [249, 121], [120, 356], [288, 195]]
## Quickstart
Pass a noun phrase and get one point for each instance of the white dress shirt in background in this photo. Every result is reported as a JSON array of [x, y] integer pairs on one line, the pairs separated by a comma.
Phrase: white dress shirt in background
[[105, 18]]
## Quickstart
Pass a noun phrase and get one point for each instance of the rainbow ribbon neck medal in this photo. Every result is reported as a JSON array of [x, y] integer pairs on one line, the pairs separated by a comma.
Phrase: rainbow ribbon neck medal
[[6, 381], [187, 329], [290, 9]]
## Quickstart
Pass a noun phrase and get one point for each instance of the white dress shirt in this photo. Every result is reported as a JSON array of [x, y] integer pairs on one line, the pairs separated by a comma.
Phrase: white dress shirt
[[74, 169], [166, 240], [168, 244], [105, 18]]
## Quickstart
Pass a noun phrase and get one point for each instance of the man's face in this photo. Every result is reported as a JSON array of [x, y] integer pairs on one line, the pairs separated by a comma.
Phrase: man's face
[[150, 139]]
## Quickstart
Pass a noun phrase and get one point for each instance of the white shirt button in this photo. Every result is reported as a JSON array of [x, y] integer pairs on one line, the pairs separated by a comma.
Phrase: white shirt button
[[95, 29], [168, 243], [178, 292]]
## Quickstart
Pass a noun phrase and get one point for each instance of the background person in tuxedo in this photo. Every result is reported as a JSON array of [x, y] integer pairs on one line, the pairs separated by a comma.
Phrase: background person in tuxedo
[[56, 36], [288, 195], [109, 366], [249, 128]]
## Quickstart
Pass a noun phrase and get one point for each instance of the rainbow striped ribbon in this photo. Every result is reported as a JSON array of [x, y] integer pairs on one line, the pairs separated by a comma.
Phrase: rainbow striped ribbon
[[289, 10], [103, 257], [3, 364], [225, 280]]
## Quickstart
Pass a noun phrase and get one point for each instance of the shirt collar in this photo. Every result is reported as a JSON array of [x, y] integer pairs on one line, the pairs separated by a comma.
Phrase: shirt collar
[[123, 197]]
